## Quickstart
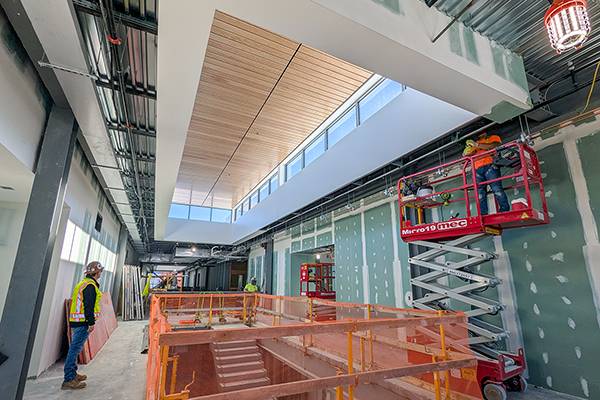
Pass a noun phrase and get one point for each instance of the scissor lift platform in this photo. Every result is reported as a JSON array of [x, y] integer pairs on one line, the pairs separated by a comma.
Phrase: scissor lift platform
[[445, 270]]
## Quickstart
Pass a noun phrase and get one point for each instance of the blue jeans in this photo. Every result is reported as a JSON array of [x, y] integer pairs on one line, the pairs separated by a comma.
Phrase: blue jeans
[[487, 173], [79, 336]]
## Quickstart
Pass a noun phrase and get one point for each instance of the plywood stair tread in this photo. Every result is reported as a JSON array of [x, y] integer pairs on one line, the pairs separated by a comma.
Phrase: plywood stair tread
[[239, 375], [235, 367], [245, 384], [239, 365]]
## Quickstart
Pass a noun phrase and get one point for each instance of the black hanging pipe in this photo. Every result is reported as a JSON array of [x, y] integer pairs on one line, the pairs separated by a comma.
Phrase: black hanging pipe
[[106, 10]]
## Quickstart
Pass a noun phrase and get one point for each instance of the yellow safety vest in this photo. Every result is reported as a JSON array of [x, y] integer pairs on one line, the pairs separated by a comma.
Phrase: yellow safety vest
[[77, 312], [250, 288]]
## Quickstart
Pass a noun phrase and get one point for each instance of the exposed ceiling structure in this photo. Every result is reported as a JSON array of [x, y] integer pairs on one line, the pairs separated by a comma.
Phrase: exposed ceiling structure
[[519, 26], [260, 95], [119, 40]]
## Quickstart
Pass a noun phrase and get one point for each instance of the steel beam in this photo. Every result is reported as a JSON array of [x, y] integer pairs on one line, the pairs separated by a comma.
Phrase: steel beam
[[124, 19], [28, 281], [129, 89], [136, 131]]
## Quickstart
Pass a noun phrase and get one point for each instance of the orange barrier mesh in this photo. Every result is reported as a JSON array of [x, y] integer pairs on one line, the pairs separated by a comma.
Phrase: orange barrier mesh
[[255, 346]]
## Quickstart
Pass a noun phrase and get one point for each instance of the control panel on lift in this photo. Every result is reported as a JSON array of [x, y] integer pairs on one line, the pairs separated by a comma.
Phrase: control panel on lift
[[442, 202], [316, 280]]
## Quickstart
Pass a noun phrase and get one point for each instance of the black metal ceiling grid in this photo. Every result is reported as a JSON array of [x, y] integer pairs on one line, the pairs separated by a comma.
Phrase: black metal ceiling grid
[[518, 25], [120, 38]]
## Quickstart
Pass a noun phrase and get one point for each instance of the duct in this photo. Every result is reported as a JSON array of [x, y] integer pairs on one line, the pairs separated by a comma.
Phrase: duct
[[59, 37]]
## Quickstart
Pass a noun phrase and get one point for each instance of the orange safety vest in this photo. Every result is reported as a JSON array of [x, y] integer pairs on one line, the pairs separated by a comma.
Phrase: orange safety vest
[[489, 159]]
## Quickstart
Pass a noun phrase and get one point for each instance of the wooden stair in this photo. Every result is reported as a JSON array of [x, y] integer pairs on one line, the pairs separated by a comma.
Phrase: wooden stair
[[239, 365]]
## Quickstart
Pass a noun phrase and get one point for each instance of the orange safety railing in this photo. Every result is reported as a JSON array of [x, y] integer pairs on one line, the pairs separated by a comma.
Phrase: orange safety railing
[[358, 350]]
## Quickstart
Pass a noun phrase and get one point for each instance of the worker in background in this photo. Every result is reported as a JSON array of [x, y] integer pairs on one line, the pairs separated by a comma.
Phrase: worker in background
[[485, 170], [85, 309], [251, 286]]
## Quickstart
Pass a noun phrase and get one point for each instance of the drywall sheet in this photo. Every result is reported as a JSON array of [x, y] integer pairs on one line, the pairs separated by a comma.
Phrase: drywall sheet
[[324, 239], [288, 272], [380, 255], [275, 281], [555, 303], [349, 260], [403, 257], [589, 148], [296, 260]]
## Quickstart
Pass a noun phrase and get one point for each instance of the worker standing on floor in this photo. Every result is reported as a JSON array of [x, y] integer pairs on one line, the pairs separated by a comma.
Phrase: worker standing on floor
[[85, 309], [485, 170], [251, 286]]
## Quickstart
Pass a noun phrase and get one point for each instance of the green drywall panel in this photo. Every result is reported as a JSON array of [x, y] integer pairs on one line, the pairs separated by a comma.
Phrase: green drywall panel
[[324, 239], [349, 260], [504, 111], [391, 5], [296, 246], [498, 58], [554, 297], [380, 255], [275, 281], [516, 70], [308, 227], [470, 46], [251, 269], [589, 149], [288, 272], [259, 271], [454, 36], [295, 231], [403, 257], [308, 243], [324, 221], [296, 260]]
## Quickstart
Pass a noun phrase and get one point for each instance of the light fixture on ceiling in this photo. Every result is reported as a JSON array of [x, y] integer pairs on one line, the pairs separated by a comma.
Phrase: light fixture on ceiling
[[568, 24]]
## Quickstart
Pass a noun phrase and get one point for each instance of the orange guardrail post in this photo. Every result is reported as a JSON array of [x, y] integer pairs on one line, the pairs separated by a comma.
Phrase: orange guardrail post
[[350, 366], [370, 338], [244, 308], [362, 354], [444, 357], [339, 391], [174, 361], [436, 381], [163, 371], [210, 310]]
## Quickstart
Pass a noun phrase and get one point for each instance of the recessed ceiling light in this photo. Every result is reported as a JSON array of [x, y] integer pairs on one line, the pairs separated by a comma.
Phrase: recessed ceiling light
[[7, 188]]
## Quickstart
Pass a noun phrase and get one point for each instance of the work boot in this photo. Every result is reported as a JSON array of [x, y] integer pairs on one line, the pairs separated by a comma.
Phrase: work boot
[[73, 385], [80, 377]]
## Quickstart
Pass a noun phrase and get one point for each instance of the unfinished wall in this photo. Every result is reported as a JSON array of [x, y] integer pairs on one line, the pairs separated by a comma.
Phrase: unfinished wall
[[551, 279]]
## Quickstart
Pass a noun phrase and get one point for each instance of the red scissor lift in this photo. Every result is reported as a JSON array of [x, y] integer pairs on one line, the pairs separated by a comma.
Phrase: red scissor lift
[[440, 216], [316, 281]]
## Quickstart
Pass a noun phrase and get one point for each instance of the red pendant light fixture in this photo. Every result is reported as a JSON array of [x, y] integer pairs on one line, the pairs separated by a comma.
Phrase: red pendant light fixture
[[568, 24]]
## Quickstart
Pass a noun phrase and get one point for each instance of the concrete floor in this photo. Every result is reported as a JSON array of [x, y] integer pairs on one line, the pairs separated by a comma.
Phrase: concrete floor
[[119, 373]]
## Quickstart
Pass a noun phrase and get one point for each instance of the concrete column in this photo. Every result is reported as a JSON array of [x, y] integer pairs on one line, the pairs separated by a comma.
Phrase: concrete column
[[28, 281]]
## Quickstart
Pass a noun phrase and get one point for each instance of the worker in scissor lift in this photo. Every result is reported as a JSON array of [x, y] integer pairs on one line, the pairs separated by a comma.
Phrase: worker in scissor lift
[[486, 170]]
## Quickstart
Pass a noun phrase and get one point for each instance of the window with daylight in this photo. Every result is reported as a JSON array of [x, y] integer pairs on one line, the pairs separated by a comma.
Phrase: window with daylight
[[200, 213], [254, 199], [179, 211], [263, 193], [385, 92], [314, 150], [221, 215], [293, 167], [341, 127], [274, 182]]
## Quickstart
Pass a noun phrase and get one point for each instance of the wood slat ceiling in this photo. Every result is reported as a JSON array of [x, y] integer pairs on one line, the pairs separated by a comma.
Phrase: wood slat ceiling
[[260, 95]]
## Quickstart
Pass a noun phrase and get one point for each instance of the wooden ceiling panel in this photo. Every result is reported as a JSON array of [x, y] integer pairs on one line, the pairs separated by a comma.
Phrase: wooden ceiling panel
[[260, 95]]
